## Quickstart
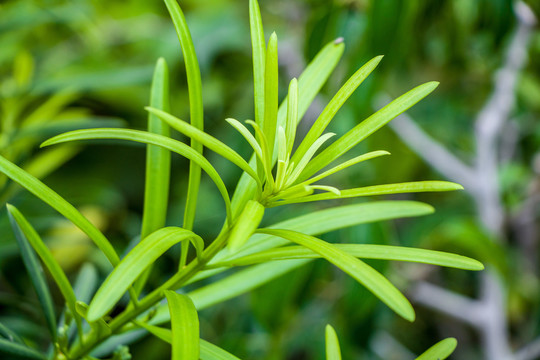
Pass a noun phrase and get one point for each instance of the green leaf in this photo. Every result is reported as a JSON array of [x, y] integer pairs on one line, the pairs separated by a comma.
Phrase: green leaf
[[440, 350], [398, 188], [158, 164], [134, 263], [346, 164], [158, 159], [367, 127], [246, 225], [334, 105], [54, 200], [207, 140], [147, 138], [271, 93], [208, 351], [195, 105], [292, 114], [363, 251], [258, 49], [304, 161], [19, 351], [36, 274], [184, 326], [266, 158], [60, 278], [333, 351], [310, 83], [360, 271], [247, 135]]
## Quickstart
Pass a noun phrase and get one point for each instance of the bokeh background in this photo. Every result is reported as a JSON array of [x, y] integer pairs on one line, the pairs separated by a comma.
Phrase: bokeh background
[[84, 63]]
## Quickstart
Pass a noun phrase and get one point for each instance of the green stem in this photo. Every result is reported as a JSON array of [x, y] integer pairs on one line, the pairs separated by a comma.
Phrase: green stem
[[175, 282]]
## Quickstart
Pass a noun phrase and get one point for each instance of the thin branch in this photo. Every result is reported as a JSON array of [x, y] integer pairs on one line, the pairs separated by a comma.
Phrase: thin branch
[[448, 302], [529, 352]]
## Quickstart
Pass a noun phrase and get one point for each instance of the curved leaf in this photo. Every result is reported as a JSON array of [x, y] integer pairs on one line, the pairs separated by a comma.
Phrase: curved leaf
[[333, 351], [398, 188], [147, 138], [195, 106], [440, 350], [133, 264], [208, 351], [360, 271], [207, 140], [48, 259], [184, 327]]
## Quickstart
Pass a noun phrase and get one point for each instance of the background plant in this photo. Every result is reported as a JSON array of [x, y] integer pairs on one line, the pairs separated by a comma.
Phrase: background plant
[[354, 16]]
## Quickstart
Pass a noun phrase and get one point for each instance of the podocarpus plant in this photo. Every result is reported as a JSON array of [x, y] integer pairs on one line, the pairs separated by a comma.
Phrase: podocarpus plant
[[276, 175]]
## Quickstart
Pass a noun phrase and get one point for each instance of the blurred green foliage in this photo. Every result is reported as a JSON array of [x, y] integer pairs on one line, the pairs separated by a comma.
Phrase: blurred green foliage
[[87, 60]]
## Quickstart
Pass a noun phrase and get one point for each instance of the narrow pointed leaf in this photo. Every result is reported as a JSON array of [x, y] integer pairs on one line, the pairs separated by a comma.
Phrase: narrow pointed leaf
[[292, 114], [37, 276], [134, 263], [247, 135], [195, 105], [48, 259], [360, 271], [184, 326], [158, 159], [367, 127], [440, 350], [18, 351], [330, 189], [207, 140], [147, 138], [271, 93], [304, 161], [346, 164], [333, 351], [398, 188], [258, 49], [158, 163], [58, 203], [266, 156], [363, 251], [334, 105]]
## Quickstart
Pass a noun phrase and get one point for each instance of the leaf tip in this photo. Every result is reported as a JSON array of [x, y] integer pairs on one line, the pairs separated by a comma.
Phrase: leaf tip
[[339, 40]]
